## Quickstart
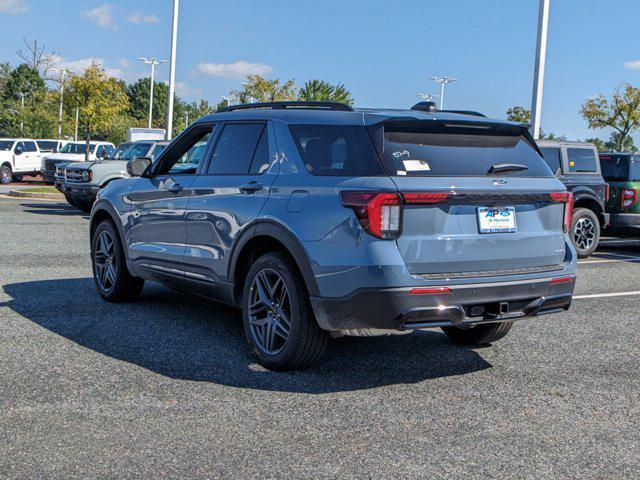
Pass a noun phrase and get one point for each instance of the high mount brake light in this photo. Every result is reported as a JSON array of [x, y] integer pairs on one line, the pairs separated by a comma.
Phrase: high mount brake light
[[567, 199], [380, 213], [629, 197]]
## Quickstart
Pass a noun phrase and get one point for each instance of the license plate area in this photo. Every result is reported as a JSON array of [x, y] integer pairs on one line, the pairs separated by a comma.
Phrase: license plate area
[[497, 220]]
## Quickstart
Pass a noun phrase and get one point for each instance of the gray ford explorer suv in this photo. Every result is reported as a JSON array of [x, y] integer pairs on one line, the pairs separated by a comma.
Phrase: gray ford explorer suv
[[318, 219]]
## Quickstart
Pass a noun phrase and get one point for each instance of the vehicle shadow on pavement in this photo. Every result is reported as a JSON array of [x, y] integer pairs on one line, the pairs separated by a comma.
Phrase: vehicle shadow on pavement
[[185, 337], [60, 209]]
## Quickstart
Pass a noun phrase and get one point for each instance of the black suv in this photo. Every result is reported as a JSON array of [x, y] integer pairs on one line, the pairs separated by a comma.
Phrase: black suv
[[576, 165]]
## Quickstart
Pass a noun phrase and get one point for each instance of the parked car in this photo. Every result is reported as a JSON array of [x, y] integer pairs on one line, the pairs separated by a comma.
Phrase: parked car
[[82, 180], [73, 152], [316, 218], [59, 176], [18, 157], [576, 165], [622, 173], [48, 145]]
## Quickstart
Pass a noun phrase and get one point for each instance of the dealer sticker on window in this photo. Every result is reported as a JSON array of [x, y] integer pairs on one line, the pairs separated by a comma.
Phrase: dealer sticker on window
[[497, 219]]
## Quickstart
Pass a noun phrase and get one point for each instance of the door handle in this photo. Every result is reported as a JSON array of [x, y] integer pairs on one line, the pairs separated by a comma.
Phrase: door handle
[[251, 187], [175, 188]]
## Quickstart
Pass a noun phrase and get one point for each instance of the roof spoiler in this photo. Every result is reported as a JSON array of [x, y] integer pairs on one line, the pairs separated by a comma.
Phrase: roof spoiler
[[431, 108], [293, 105]]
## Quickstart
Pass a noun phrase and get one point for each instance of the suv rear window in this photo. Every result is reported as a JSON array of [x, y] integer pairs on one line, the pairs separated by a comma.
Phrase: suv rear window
[[551, 155], [336, 150], [582, 160], [620, 169], [443, 149]]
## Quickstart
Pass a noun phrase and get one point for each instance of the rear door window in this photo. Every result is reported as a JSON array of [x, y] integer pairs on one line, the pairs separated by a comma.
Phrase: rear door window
[[552, 157], [236, 148], [30, 147], [447, 149], [582, 160], [336, 150]]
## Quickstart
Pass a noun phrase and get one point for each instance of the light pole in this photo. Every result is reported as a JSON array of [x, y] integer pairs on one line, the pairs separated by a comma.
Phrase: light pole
[[75, 132], [538, 73], [153, 62], [428, 97], [172, 68], [443, 81], [63, 72], [22, 95]]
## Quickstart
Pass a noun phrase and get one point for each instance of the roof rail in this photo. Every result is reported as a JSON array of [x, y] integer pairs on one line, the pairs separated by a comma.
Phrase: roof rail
[[293, 104]]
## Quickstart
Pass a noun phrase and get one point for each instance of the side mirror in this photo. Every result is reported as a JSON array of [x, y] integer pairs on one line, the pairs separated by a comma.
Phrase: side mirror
[[138, 166], [18, 151]]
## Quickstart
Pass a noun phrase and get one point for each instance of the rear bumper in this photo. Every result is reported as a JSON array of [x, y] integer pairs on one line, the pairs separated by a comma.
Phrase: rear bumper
[[466, 305], [87, 194]]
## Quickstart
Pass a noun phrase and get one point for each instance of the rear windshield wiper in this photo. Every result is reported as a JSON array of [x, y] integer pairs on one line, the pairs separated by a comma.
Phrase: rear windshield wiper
[[507, 167]]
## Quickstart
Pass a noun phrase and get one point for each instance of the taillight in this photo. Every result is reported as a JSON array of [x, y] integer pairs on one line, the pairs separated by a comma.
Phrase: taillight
[[425, 198], [607, 192], [380, 214], [629, 197], [567, 199]]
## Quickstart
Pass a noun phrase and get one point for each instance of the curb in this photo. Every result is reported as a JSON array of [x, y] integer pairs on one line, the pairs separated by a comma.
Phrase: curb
[[50, 196]]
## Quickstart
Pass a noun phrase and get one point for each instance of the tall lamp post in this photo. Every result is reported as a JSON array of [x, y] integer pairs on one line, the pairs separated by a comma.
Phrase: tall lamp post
[[63, 72], [153, 62], [22, 95], [538, 74], [443, 81], [172, 68]]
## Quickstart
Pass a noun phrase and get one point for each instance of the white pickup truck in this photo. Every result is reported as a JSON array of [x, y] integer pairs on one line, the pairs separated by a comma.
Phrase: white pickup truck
[[18, 157]]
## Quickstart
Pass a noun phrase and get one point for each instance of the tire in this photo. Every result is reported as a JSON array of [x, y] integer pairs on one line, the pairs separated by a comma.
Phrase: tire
[[17, 178], [70, 200], [107, 254], [585, 232], [478, 335], [5, 174], [276, 344], [84, 205]]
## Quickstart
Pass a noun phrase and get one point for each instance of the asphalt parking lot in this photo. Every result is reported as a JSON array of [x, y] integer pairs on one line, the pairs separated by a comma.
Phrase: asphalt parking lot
[[166, 386]]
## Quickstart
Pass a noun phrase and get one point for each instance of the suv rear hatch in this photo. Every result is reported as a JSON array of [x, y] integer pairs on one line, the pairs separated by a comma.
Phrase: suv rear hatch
[[622, 174], [478, 198]]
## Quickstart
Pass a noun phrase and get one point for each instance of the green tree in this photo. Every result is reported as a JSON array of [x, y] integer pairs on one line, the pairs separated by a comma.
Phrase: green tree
[[519, 114], [600, 144], [260, 89], [621, 112], [23, 79], [101, 101], [321, 91], [138, 94], [552, 136], [617, 144]]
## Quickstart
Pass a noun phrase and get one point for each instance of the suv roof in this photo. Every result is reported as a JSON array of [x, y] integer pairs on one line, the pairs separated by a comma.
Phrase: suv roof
[[555, 143], [335, 113], [619, 154]]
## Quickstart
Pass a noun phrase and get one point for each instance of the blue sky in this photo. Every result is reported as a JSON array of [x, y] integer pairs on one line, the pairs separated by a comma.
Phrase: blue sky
[[383, 51]]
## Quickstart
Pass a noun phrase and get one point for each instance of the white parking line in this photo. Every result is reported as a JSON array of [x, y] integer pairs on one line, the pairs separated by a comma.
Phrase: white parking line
[[602, 295], [608, 260], [620, 258]]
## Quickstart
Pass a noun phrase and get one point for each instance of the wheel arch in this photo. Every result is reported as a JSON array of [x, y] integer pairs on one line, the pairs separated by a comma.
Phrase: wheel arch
[[263, 237], [591, 203], [105, 211]]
